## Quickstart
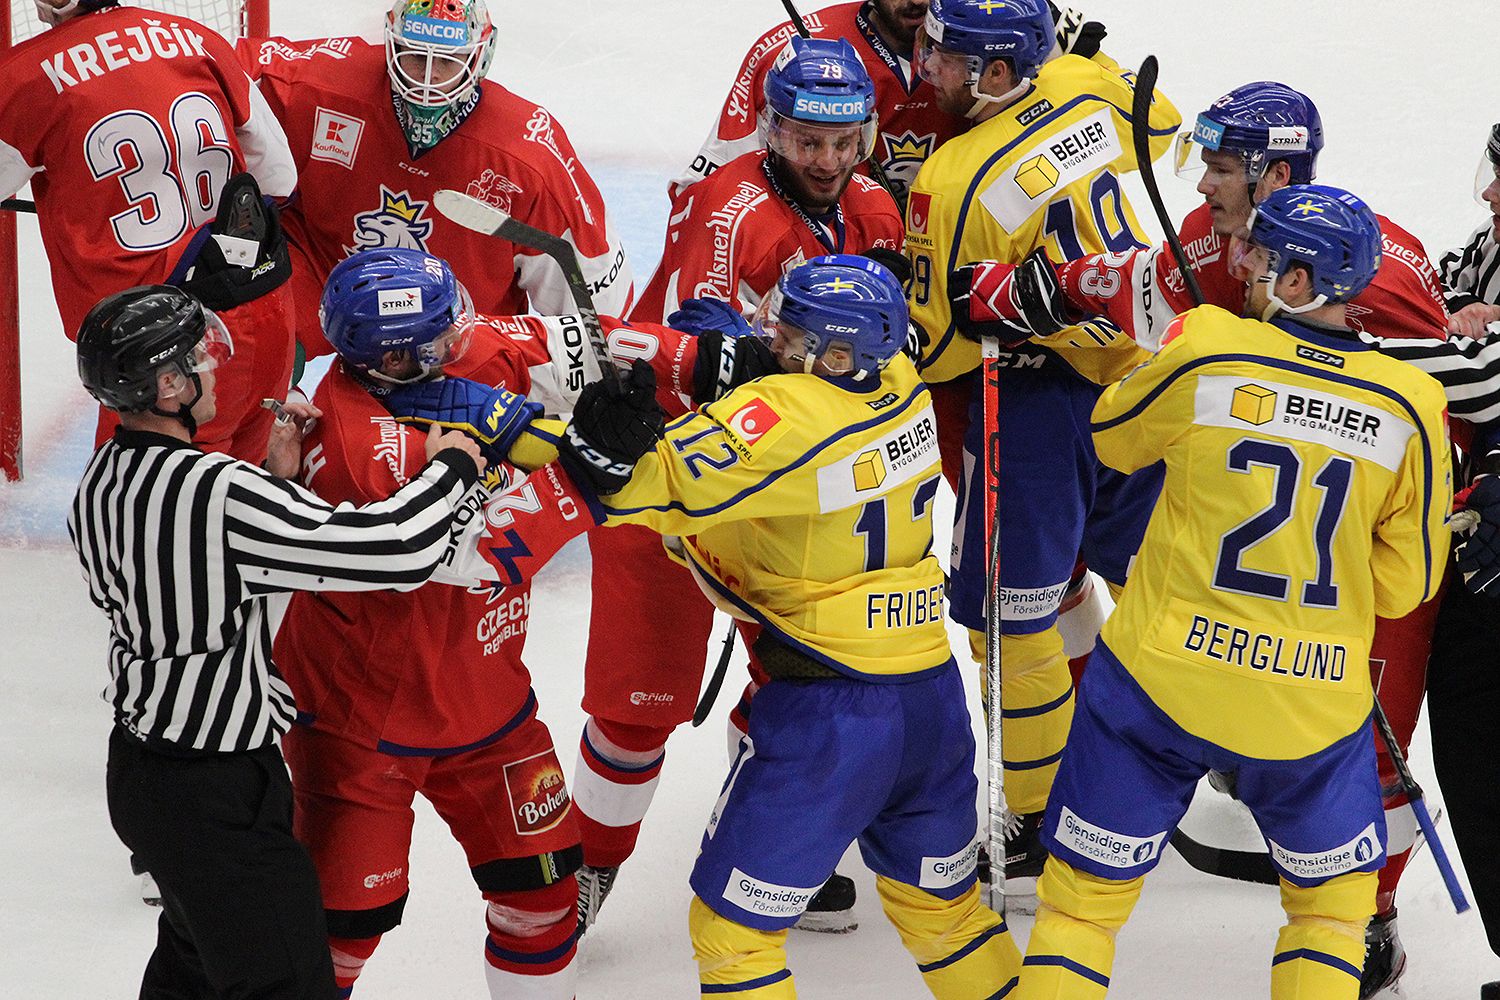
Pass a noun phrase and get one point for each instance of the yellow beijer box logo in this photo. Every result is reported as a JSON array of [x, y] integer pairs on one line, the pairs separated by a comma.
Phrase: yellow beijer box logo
[[869, 470], [1253, 404], [1036, 176]]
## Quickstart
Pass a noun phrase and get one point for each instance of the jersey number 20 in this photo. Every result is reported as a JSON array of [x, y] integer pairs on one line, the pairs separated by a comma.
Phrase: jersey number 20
[[172, 184]]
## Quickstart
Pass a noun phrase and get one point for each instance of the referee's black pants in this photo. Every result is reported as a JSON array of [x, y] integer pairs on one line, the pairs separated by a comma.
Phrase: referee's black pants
[[1463, 709], [241, 913]]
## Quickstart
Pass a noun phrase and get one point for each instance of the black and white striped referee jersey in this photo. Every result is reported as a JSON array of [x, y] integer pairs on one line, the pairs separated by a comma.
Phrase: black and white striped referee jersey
[[193, 556], [1471, 273]]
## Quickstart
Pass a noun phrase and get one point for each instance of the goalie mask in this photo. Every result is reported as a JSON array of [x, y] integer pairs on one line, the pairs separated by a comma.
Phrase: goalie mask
[[437, 53]]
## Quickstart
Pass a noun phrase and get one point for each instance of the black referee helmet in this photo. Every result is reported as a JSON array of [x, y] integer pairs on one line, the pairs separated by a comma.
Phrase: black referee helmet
[[130, 336]]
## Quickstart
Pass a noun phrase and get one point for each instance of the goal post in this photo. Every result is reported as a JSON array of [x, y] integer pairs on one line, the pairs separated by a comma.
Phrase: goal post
[[230, 18]]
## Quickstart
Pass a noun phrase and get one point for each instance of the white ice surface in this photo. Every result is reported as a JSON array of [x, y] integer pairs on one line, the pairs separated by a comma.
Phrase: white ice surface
[[1406, 103]]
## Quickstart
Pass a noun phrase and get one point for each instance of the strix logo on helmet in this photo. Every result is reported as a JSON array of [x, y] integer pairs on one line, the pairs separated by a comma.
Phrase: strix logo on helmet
[[819, 82], [1325, 229], [1260, 122], [128, 339], [844, 310], [1021, 31], [396, 300]]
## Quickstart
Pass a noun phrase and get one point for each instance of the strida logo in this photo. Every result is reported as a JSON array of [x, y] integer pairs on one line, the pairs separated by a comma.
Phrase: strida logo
[[538, 795]]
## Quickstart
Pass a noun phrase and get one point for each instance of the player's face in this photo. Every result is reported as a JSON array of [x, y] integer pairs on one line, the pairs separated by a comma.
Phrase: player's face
[[1491, 196], [948, 72], [899, 20], [817, 161], [1225, 190], [431, 75]]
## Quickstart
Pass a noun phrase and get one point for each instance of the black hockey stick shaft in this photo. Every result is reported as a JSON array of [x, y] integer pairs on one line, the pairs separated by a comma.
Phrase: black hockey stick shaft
[[1419, 809], [482, 217], [796, 16], [716, 680], [18, 205], [1140, 133]]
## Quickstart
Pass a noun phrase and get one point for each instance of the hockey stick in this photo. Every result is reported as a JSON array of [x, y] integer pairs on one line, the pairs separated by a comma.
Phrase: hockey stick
[[1140, 134], [716, 680], [18, 205], [995, 762], [1225, 862], [482, 217], [1419, 809]]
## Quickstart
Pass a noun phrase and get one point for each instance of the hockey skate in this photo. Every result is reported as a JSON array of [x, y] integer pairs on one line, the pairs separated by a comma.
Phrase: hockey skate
[[150, 892], [831, 910], [1385, 960], [1024, 858], [594, 885]]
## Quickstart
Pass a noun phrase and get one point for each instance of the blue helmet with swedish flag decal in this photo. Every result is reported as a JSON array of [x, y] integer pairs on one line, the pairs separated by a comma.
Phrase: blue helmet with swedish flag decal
[[1021, 31], [1325, 229], [844, 313]]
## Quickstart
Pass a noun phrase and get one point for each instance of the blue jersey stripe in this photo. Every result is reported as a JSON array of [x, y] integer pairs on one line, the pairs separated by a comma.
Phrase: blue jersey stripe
[[1067, 963], [963, 952], [747, 985], [919, 393], [1322, 957]]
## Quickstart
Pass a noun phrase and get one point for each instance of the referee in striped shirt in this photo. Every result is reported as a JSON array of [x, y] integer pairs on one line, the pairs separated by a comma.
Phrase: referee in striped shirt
[[192, 556]]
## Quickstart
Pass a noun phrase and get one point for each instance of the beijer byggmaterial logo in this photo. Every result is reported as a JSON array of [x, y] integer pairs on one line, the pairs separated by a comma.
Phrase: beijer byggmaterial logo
[[869, 470], [1253, 404]]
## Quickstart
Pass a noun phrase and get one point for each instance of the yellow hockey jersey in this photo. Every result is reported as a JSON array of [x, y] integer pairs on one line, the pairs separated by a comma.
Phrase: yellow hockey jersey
[[1308, 487], [1043, 172], [807, 506]]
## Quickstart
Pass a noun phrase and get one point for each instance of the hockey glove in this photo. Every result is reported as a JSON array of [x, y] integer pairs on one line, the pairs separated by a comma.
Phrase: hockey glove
[[1074, 34], [699, 316], [892, 261], [493, 417], [727, 362], [614, 423], [1479, 554], [1011, 303]]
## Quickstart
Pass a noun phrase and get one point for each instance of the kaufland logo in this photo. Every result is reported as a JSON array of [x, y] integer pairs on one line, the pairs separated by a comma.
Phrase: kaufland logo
[[336, 137], [431, 29]]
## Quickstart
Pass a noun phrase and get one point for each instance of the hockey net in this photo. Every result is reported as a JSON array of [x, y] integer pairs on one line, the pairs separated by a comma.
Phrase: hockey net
[[230, 18]]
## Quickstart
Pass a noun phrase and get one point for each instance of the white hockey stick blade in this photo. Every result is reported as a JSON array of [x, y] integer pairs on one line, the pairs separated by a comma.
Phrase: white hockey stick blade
[[469, 212]]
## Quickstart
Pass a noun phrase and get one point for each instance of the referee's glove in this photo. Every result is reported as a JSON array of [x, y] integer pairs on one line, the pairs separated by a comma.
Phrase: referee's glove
[[494, 417], [1479, 553]]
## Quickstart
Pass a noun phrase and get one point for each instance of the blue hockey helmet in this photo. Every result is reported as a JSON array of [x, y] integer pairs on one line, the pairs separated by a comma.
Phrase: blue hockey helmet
[[393, 299], [1325, 229], [1021, 31], [1261, 123], [843, 310], [822, 84]]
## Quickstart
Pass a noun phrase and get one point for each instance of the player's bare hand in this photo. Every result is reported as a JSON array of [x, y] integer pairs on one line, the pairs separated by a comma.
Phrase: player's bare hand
[[439, 439], [284, 449], [1471, 320]]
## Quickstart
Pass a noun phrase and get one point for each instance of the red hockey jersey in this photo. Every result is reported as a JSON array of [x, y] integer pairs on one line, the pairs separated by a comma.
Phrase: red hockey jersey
[[128, 123], [1405, 299], [438, 669], [732, 236], [360, 187], [911, 125]]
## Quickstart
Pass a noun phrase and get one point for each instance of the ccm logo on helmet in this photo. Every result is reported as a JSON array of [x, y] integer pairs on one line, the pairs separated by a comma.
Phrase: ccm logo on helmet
[[1294, 248]]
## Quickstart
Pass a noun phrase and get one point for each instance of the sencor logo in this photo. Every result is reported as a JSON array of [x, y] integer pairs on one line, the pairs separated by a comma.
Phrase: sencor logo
[[819, 107], [429, 29]]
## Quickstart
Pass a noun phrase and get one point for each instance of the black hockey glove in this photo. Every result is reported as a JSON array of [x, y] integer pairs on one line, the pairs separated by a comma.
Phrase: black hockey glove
[[1074, 34], [893, 261], [1010, 303], [614, 423], [1479, 553], [727, 362]]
